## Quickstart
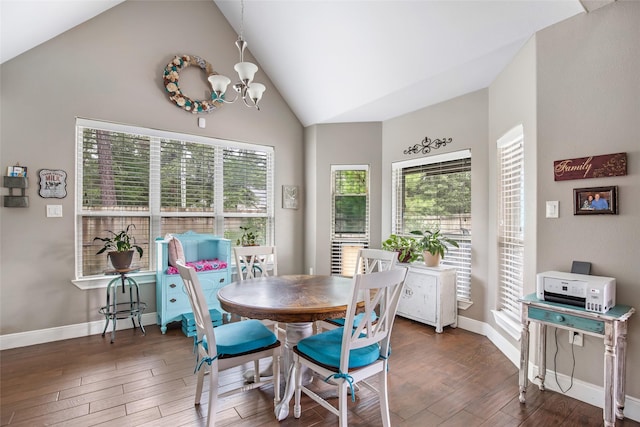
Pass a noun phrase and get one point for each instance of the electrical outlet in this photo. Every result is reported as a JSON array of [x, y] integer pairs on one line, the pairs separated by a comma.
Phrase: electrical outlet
[[576, 338]]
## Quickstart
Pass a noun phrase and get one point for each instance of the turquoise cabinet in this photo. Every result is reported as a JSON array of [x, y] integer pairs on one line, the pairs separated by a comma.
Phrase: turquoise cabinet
[[211, 255]]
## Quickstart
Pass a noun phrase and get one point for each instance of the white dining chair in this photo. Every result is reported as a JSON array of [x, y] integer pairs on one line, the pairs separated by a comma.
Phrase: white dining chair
[[257, 261], [368, 261], [349, 355], [227, 346]]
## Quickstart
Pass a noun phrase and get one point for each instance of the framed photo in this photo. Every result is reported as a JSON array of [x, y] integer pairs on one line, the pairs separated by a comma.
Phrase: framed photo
[[595, 201]]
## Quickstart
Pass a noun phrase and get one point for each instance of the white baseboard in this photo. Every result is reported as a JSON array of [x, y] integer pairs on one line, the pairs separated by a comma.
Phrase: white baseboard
[[583, 391], [23, 339]]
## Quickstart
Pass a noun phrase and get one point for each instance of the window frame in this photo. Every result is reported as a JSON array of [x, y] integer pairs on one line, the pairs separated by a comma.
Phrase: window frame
[[511, 236], [347, 243], [463, 272], [155, 212]]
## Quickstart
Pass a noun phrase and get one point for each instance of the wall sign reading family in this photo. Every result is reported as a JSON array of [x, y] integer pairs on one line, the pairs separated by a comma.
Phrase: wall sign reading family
[[595, 200], [590, 167]]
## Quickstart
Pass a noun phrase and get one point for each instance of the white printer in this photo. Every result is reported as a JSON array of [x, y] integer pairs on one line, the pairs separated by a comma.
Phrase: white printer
[[593, 293]]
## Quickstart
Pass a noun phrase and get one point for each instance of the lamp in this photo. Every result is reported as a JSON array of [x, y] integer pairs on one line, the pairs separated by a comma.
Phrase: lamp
[[245, 88]]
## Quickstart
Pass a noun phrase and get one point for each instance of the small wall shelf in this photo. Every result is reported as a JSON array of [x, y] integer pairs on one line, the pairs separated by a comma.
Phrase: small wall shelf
[[16, 201]]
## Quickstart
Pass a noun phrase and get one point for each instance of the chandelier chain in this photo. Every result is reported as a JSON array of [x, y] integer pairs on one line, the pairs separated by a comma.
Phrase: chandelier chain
[[241, 20]]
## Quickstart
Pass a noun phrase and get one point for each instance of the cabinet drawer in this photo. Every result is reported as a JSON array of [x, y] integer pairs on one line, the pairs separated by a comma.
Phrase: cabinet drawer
[[567, 320], [174, 287]]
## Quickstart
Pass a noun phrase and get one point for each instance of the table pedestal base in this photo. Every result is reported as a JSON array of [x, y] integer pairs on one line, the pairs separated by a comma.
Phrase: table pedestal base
[[295, 332]]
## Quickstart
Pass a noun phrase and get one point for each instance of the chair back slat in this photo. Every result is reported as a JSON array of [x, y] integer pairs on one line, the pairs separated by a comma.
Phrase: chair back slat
[[256, 261], [379, 289], [372, 260], [199, 305]]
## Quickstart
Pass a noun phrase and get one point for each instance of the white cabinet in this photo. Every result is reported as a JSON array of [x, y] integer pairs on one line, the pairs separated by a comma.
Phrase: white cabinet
[[429, 296]]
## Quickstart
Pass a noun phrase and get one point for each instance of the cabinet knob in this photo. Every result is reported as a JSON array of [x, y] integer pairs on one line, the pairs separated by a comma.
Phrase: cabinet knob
[[559, 318], [172, 300], [222, 280], [173, 285]]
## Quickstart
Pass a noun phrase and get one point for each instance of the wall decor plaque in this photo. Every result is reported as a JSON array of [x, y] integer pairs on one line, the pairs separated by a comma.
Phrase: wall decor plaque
[[427, 144], [590, 167], [53, 183], [290, 197]]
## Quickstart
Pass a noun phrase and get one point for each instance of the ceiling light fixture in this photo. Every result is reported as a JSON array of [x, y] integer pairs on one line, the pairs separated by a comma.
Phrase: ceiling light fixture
[[246, 89]]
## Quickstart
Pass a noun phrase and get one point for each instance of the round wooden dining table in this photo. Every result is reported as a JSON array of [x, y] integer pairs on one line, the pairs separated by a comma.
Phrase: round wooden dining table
[[296, 300]]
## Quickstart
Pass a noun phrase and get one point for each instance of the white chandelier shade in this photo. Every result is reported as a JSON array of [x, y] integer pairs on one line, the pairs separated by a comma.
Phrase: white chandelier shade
[[249, 92]]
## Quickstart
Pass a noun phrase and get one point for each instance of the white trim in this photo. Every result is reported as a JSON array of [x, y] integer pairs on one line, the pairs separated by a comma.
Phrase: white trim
[[136, 130], [512, 135], [23, 339], [101, 282], [438, 158], [464, 303], [350, 167], [507, 324], [581, 390]]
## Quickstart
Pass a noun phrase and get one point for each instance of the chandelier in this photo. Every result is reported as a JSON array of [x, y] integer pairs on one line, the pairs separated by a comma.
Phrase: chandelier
[[246, 89]]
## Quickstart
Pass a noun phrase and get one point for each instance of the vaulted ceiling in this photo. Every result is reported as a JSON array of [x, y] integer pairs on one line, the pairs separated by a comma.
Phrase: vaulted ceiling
[[346, 61]]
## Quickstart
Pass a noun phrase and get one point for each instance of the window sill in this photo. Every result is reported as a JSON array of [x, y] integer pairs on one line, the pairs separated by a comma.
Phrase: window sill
[[510, 326], [464, 304], [101, 282]]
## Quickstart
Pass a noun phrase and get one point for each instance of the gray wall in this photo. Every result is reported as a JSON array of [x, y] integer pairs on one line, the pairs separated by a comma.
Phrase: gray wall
[[465, 120], [338, 144], [575, 89], [512, 102], [588, 72], [110, 68]]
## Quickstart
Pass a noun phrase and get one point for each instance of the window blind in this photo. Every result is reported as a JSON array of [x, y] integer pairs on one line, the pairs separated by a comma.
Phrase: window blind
[[164, 182], [435, 192], [349, 215], [511, 222]]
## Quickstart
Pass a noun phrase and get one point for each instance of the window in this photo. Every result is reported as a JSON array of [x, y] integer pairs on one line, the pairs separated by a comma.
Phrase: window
[[435, 192], [163, 182], [511, 223], [349, 216]]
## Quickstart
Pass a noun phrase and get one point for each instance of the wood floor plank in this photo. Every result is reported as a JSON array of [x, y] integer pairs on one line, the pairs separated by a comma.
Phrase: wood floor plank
[[151, 415], [131, 397], [97, 418], [456, 378], [60, 405]]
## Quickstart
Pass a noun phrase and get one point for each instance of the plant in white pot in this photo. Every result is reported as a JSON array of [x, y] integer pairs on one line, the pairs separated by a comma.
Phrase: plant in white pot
[[120, 247], [433, 245]]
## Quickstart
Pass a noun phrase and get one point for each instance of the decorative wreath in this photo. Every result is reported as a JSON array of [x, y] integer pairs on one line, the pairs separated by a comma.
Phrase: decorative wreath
[[171, 78]]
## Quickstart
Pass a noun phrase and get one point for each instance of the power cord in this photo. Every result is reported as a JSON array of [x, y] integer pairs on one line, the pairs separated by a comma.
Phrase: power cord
[[573, 355]]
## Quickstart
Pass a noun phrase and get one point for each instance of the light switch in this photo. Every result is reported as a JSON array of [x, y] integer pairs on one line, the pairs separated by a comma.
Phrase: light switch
[[54, 211], [552, 209], [202, 123]]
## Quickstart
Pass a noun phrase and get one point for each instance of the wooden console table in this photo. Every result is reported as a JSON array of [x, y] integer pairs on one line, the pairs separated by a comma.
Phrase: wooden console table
[[611, 326]]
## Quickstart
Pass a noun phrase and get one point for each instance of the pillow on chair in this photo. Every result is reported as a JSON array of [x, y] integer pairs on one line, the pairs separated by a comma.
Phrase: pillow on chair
[[176, 252]]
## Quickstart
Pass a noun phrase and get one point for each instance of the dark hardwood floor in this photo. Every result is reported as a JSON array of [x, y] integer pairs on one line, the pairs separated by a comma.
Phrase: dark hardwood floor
[[452, 379]]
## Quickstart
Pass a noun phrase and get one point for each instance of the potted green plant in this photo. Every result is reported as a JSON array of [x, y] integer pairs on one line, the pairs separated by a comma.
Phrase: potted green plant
[[433, 246], [249, 237], [121, 246], [406, 247]]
